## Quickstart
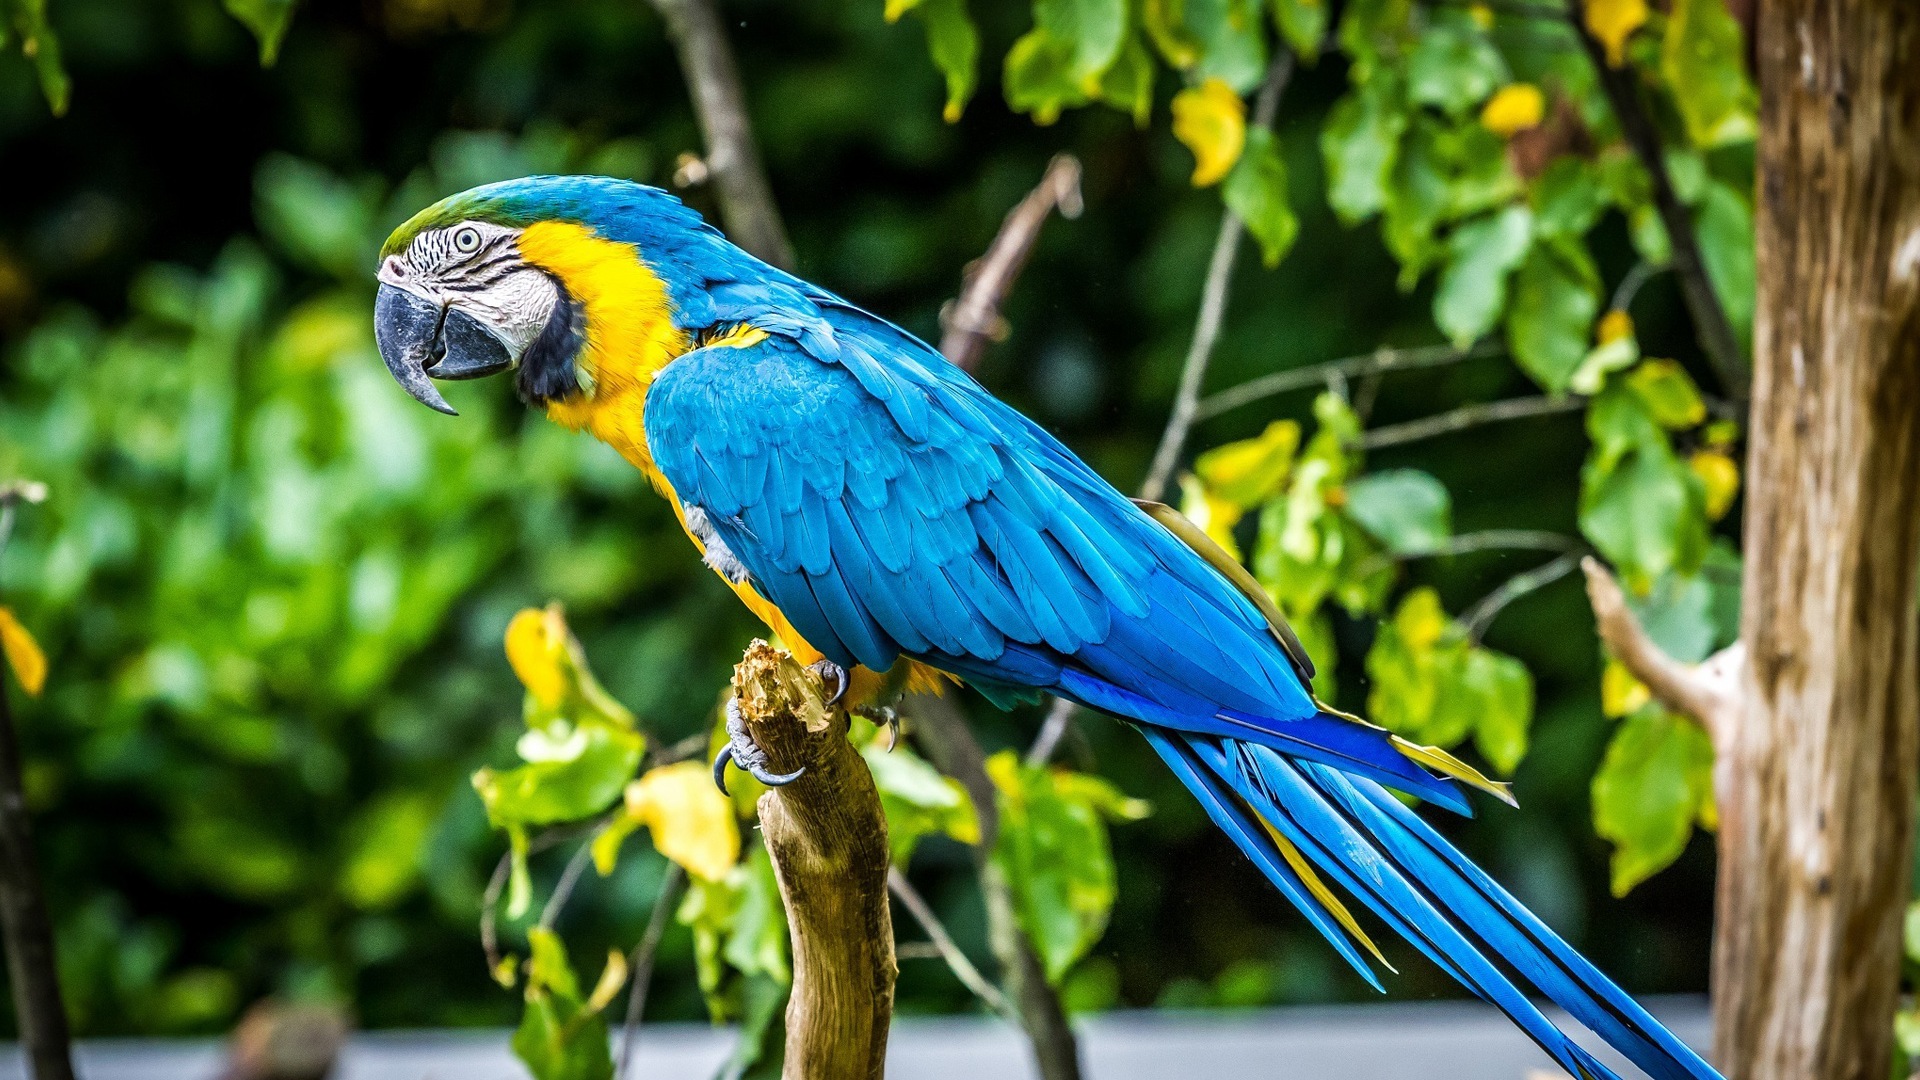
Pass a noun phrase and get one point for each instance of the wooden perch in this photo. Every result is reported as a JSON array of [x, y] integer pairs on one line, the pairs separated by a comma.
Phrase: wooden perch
[[1710, 692], [828, 840]]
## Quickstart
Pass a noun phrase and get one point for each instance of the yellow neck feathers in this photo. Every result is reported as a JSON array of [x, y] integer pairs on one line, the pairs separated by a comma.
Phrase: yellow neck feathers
[[630, 332]]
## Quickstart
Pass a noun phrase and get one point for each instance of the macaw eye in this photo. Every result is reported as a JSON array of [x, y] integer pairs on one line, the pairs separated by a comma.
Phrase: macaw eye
[[466, 240]]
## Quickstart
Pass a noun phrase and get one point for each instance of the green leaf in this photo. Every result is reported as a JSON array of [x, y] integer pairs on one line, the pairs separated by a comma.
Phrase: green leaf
[[1669, 393], [1473, 287], [918, 801], [1417, 201], [1091, 30], [1360, 142], [387, 842], [561, 1037], [954, 44], [1453, 67], [1256, 190], [1414, 664], [1166, 25], [1405, 509], [1567, 198], [1678, 614], [1373, 30], [268, 19], [1128, 84], [1724, 226], [1556, 295], [1303, 24], [1501, 690], [1054, 850], [1654, 784], [314, 216], [1639, 504], [1705, 64], [39, 44], [1232, 41], [580, 771], [1038, 77]]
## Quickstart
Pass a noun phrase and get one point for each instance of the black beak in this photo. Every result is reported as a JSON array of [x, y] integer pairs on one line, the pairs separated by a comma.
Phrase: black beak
[[422, 341]]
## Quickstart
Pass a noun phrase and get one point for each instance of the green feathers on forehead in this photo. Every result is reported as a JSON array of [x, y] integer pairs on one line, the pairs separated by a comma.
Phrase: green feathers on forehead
[[466, 206]]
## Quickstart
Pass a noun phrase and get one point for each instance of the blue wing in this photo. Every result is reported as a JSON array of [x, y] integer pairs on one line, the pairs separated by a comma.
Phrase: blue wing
[[890, 507]]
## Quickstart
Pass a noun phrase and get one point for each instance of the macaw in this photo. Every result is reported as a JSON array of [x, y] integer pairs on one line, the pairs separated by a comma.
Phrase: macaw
[[896, 525]]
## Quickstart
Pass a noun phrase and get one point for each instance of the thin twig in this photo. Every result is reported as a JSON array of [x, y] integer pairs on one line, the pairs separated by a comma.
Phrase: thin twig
[[1468, 416], [1213, 306], [28, 933], [563, 889], [973, 320], [957, 961], [1629, 287], [1710, 322], [1481, 615], [733, 163], [1379, 360], [640, 963], [1484, 540]]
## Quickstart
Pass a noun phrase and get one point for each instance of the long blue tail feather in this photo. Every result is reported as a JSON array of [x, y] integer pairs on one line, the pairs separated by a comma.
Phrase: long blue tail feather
[[1372, 845]]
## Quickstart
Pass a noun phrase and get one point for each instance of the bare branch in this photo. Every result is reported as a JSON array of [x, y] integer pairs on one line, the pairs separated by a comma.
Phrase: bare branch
[[1213, 306], [1468, 416], [943, 735], [1710, 322], [640, 963], [1379, 360], [946, 949], [732, 162], [974, 319], [563, 889], [1708, 692], [28, 933], [828, 840]]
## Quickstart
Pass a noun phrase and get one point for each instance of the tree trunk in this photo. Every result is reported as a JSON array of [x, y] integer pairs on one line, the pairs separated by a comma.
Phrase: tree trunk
[[1817, 804]]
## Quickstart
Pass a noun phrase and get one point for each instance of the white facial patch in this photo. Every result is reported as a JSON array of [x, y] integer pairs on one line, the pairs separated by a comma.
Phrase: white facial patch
[[475, 266]]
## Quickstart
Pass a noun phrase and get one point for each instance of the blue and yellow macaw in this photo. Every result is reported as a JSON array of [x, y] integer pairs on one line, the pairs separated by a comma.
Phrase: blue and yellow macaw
[[896, 525]]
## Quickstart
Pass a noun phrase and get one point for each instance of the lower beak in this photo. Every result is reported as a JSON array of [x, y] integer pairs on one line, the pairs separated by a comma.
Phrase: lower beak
[[422, 341]]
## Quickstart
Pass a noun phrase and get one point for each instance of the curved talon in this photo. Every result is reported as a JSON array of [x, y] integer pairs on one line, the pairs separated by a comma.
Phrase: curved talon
[[773, 779], [883, 716], [823, 668], [720, 769]]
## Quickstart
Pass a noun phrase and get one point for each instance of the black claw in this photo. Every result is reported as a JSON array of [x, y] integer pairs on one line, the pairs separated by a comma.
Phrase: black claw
[[774, 779], [822, 669], [720, 769], [884, 716]]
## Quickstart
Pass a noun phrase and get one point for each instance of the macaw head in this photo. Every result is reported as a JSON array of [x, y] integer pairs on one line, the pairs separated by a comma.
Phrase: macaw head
[[501, 278]]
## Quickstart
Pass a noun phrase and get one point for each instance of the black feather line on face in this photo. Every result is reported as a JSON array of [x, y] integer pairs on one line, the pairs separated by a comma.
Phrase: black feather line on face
[[548, 370]]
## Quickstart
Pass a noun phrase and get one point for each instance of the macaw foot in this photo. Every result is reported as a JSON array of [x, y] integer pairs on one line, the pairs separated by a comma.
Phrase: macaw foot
[[882, 716], [831, 675], [746, 754]]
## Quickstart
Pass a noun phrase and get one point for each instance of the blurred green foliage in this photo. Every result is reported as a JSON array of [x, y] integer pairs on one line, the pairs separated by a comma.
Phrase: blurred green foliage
[[273, 591]]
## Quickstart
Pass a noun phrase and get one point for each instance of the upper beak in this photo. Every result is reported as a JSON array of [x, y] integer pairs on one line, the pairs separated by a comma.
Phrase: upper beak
[[420, 339]]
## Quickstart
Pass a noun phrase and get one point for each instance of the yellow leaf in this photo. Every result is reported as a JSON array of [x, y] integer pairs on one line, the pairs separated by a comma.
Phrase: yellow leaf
[[1421, 621], [1514, 108], [537, 649], [1215, 516], [612, 978], [1251, 471], [896, 8], [507, 971], [1615, 325], [1212, 121], [1612, 22], [1482, 16], [23, 654], [1720, 476], [692, 823], [1620, 693]]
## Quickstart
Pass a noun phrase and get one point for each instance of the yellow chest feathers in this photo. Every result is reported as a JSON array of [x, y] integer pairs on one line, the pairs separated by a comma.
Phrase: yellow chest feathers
[[630, 333]]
